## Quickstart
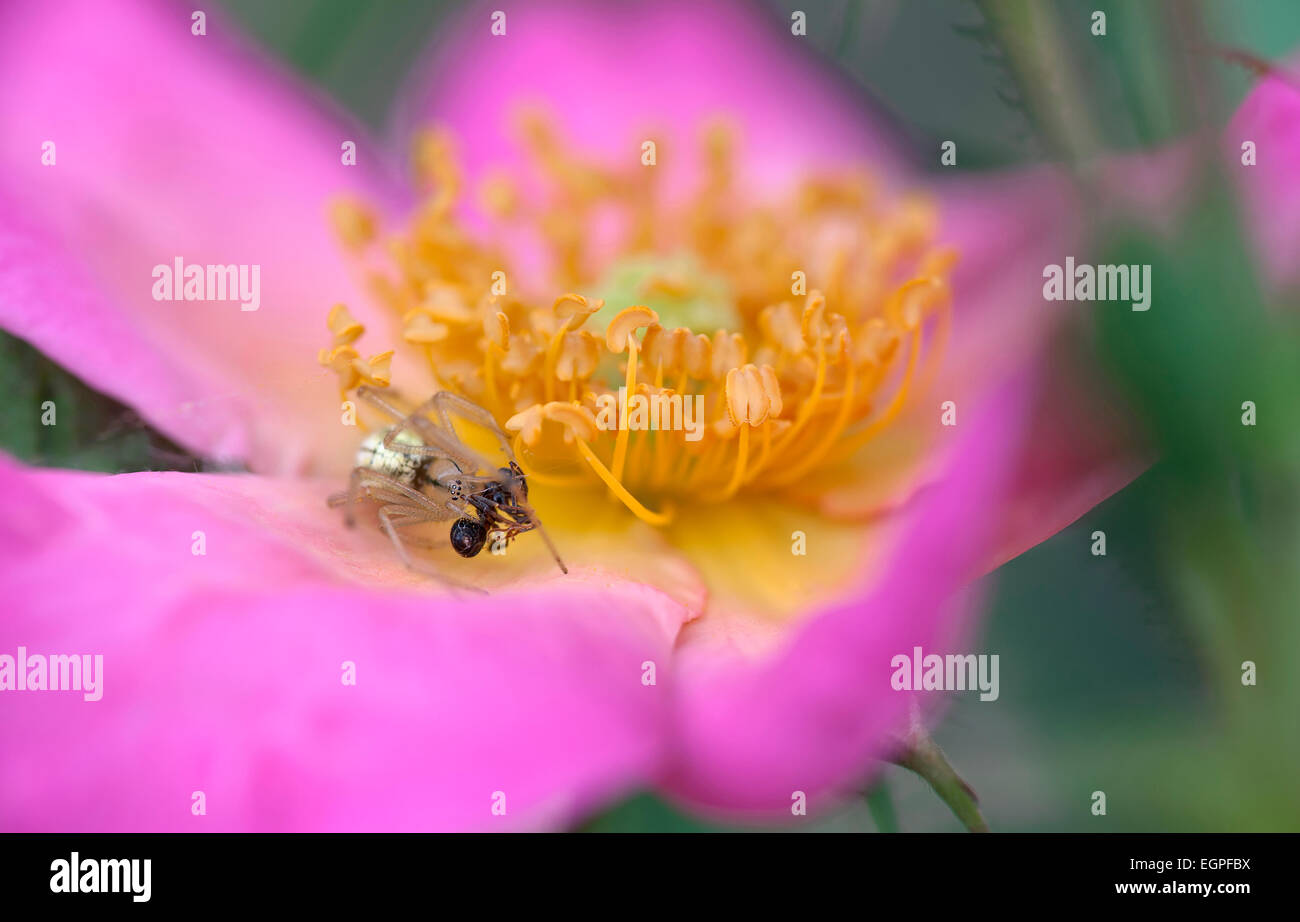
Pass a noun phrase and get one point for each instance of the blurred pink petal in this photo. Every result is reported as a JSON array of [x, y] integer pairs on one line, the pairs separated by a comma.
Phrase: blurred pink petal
[[1270, 117], [173, 145], [1083, 445], [615, 74], [812, 716], [222, 673]]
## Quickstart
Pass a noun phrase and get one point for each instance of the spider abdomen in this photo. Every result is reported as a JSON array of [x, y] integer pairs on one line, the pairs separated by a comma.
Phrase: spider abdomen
[[396, 464]]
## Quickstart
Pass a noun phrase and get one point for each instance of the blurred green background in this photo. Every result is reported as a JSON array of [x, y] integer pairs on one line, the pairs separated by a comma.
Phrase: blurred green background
[[1119, 673]]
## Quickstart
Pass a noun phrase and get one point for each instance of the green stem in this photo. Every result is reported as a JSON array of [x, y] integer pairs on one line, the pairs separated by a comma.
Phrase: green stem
[[881, 805], [926, 759]]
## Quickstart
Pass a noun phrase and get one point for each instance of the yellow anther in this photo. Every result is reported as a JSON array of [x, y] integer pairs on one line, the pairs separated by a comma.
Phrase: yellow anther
[[496, 329], [376, 369], [420, 329], [353, 222], [445, 302], [771, 390], [572, 310], [697, 355], [343, 325], [340, 361], [728, 352], [524, 355], [666, 348], [780, 324], [747, 396], [629, 320], [578, 356], [577, 420], [528, 423], [813, 322]]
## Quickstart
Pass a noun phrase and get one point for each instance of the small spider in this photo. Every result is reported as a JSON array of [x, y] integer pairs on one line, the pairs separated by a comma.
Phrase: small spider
[[419, 471]]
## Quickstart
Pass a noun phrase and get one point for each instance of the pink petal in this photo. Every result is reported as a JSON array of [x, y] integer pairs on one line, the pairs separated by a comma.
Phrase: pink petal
[[810, 717], [1085, 446], [175, 145], [615, 74], [1270, 117], [223, 672]]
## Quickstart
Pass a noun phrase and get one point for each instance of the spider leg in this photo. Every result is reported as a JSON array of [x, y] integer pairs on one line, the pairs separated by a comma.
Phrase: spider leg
[[384, 489], [439, 444], [443, 401], [376, 398], [387, 515], [348, 497], [372, 396]]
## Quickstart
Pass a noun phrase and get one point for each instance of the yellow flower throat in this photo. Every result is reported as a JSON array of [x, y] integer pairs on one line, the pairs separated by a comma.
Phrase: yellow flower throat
[[804, 325]]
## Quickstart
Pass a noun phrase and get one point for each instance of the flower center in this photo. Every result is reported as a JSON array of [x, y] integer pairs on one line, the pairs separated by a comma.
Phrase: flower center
[[694, 352]]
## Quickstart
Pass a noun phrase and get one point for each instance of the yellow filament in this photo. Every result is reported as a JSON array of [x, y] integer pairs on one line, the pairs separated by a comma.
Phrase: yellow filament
[[704, 466], [877, 425], [806, 409], [738, 475], [631, 502], [763, 453], [811, 458], [620, 443], [661, 459], [548, 372], [489, 378]]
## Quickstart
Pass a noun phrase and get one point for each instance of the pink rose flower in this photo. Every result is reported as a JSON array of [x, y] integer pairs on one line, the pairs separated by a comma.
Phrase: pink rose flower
[[223, 671]]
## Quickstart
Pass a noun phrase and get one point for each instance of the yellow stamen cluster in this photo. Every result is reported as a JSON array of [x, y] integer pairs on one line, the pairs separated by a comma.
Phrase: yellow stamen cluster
[[345, 361], [795, 382]]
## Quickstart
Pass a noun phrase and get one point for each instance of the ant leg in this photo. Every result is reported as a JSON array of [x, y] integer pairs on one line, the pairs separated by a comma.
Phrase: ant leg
[[550, 545], [525, 518]]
